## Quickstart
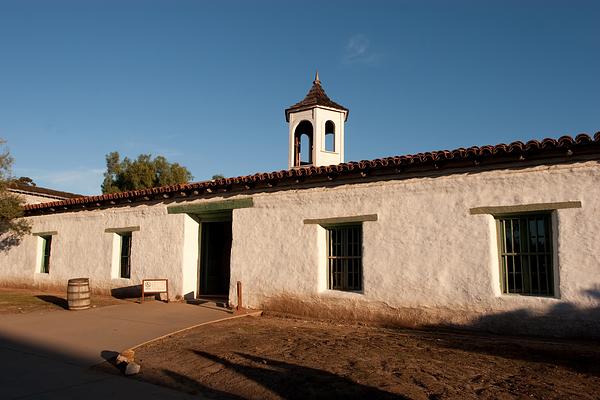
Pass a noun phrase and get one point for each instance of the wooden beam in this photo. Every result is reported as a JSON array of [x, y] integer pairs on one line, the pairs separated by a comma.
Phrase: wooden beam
[[341, 220], [521, 208], [210, 206], [49, 233], [121, 230]]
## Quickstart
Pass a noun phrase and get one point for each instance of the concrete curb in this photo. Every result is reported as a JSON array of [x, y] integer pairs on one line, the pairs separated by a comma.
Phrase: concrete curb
[[247, 314]]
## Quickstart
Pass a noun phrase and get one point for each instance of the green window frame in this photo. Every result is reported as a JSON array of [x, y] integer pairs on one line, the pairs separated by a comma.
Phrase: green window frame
[[526, 254], [125, 257], [344, 257], [46, 251]]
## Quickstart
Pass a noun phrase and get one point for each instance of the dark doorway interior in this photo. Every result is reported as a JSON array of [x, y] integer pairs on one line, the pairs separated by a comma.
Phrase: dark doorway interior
[[215, 258]]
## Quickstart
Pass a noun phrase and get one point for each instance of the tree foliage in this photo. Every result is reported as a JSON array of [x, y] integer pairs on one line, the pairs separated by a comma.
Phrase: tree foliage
[[141, 173], [25, 180], [12, 226]]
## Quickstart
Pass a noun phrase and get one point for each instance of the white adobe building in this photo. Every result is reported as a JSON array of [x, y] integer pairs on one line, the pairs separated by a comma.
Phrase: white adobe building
[[498, 237]]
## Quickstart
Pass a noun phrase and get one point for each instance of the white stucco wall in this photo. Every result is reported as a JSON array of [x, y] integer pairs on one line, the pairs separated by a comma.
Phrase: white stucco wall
[[82, 248], [425, 251], [425, 259]]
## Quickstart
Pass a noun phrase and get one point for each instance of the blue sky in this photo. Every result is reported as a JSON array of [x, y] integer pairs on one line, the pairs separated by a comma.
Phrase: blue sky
[[205, 83]]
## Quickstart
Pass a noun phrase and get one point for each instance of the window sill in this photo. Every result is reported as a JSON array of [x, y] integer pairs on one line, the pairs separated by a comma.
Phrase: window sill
[[528, 296], [342, 293]]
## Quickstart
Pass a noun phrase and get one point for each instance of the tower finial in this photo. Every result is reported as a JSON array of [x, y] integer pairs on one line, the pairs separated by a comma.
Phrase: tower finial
[[317, 77]]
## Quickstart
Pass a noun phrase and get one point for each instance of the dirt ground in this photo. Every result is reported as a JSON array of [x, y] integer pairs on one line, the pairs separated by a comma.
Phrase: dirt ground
[[20, 301], [272, 357]]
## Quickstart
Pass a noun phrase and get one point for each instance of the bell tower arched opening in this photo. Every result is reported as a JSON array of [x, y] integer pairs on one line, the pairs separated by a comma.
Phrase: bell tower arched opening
[[303, 144], [329, 136]]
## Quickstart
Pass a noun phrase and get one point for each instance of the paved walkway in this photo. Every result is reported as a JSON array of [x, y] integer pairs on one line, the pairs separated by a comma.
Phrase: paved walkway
[[48, 356]]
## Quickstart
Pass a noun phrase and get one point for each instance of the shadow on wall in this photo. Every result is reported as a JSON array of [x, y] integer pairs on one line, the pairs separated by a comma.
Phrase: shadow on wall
[[8, 241], [563, 319], [189, 297]]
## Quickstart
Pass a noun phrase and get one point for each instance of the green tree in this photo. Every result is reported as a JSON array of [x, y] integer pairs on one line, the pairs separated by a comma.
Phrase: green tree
[[217, 176], [25, 180], [141, 173], [12, 226]]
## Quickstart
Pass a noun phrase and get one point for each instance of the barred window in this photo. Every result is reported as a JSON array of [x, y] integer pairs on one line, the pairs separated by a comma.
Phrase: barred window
[[525, 243], [344, 257]]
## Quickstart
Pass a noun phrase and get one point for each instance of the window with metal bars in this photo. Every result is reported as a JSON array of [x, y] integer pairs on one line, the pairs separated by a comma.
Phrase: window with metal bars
[[525, 244], [344, 257], [125, 254], [46, 248]]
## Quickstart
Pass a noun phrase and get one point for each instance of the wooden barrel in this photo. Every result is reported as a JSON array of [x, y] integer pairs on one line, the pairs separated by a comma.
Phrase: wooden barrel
[[78, 294]]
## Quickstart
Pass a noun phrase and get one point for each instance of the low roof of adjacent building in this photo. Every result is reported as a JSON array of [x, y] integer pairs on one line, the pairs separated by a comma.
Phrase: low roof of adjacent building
[[514, 155], [40, 191], [316, 96]]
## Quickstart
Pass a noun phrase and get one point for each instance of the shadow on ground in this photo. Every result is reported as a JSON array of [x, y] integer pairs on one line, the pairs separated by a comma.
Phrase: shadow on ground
[[289, 381], [579, 356], [565, 335], [59, 301], [109, 355], [127, 292], [194, 387], [35, 370]]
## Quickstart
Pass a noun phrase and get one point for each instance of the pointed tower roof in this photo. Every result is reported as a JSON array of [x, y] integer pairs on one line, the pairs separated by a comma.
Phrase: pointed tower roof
[[316, 96]]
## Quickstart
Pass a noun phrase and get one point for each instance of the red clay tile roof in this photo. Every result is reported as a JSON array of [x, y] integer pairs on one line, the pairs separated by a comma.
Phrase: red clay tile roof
[[316, 97], [45, 192], [516, 154]]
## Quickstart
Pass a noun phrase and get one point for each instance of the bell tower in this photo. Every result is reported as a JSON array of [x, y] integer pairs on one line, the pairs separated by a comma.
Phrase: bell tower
[[316, 129]]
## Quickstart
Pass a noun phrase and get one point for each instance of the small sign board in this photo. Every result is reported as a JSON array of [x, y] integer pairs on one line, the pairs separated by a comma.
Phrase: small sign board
[[155, 286]]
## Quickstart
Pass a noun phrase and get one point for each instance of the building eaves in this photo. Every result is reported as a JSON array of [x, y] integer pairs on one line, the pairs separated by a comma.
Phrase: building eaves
[[502, 155]]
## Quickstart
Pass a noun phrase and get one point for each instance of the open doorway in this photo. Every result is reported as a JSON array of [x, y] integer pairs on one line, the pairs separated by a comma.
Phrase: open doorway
[[303, 144], [215, 259]]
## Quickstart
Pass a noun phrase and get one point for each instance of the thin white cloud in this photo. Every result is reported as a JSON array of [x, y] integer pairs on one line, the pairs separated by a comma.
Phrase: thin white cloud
[[80, 180], [358, 51]]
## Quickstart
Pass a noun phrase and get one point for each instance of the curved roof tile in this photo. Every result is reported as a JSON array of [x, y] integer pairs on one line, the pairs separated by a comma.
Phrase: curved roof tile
[[448, 158]]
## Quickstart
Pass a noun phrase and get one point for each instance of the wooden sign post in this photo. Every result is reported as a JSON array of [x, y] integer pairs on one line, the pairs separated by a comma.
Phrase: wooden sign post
[[154, 286]]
